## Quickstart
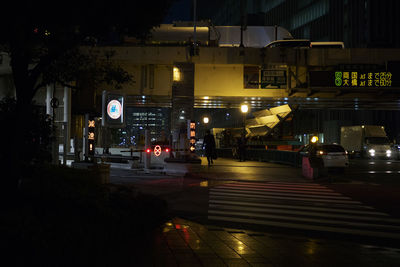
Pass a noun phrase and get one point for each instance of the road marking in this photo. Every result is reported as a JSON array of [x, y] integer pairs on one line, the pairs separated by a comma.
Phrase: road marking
[[292, 207], [309, 227], [283, 190], [327, 213], [267, 192], [310, 207], [220, 193]]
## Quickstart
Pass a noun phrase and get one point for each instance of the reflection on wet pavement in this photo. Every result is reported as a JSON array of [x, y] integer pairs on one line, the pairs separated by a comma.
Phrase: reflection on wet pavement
[[184, 243]]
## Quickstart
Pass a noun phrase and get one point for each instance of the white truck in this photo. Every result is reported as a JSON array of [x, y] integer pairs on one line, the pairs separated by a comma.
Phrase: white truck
[[368, 141]]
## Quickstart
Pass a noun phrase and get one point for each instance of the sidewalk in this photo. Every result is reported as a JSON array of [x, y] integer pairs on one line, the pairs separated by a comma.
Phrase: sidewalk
[[233, 170], [185, 243]]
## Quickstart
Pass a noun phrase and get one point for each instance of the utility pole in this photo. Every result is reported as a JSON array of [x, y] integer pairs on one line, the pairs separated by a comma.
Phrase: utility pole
[[242, 25]]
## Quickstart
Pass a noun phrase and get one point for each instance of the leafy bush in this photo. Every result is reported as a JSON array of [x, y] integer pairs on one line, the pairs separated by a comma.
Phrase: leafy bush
[[66, 218], [30, 138]]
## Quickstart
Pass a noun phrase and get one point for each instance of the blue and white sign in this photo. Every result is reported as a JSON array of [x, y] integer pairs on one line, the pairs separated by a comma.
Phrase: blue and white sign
[[114, 109]]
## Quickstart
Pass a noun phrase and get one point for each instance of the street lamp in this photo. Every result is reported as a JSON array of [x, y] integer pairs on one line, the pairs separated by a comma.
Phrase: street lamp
[[206, 120], [244, 108]]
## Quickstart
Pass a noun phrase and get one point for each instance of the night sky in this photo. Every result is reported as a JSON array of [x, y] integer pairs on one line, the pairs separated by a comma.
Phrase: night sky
[[180, 11]]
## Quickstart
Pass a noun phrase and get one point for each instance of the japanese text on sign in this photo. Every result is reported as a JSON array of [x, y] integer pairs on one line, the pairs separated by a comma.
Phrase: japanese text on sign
[[363, 79], [91, 136]]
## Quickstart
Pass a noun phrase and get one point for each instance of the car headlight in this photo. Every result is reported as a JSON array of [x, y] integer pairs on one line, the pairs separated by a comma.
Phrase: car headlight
[[372, 152], [388, 153]]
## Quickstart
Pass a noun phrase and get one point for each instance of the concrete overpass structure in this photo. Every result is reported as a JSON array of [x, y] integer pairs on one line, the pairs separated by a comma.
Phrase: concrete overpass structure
[[223, 78]]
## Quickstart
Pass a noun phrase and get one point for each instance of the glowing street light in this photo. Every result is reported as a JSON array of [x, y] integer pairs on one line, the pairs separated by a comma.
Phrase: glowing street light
[[314, 139], [206, 120], [244, 108]]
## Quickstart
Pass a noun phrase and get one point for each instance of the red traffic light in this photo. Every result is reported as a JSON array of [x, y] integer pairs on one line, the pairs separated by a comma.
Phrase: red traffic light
[[167, 150], [148, 150]]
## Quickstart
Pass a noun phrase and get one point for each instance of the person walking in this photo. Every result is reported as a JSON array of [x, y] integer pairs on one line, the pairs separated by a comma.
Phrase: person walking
[[242, 143], [209, 146]]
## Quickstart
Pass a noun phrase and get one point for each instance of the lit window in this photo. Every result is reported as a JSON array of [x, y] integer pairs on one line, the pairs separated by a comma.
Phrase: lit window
[[176, 74]]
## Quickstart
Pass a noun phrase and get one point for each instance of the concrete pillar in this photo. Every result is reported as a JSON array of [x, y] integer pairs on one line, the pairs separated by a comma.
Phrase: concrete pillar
[[182, 103], [147, 157], [85, 137], [49, 95], [67, 123], [67, 116]]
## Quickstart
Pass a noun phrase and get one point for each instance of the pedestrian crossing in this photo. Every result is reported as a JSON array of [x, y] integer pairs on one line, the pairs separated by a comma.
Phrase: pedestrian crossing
[[304, 206]]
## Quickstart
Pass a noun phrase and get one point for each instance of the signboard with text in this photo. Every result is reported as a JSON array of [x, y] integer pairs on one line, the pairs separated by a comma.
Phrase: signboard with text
[[192, 135], [355, 79], [273, 77], [91, 137], [363, 79]]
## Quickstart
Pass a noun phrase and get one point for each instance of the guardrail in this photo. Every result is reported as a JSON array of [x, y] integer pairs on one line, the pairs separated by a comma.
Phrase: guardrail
[[279, 156]]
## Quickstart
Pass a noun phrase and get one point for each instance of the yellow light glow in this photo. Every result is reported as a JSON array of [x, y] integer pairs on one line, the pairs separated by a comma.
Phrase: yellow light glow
[[244, 108], [204, 184], [314, 139], [206, 119], [176, 74]]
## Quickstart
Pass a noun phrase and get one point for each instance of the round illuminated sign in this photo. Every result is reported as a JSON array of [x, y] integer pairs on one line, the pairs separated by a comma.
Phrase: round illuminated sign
[[157, 150], [114, 109]]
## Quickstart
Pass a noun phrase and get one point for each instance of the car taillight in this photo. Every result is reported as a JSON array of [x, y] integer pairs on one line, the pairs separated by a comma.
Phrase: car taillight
[[167, 150], [321, 152]]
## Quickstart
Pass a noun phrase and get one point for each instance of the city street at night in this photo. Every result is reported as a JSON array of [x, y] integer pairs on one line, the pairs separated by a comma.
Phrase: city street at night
[[246, 201], [200, 133]]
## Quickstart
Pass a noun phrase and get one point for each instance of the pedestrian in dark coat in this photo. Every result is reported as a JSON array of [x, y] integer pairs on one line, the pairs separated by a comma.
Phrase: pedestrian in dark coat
[[209, 146], [242, 147]]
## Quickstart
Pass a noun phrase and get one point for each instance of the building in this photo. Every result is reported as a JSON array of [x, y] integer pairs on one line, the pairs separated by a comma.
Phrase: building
[[173, 84], [358, 23]]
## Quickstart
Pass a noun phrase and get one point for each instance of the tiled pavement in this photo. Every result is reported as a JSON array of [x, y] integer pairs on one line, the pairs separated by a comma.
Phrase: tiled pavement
[[184, 243]]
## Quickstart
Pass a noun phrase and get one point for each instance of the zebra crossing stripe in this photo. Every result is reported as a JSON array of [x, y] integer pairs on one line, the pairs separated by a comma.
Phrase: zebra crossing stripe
[[283, 186], [284, 198], [303, 219], [298, 207], [308, 227], [327, 213], [312, 192], [254, 193], [280, 184]]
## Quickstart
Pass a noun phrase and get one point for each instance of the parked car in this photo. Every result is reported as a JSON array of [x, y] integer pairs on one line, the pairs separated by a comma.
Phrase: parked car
[[333, 156], [396, 151]]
